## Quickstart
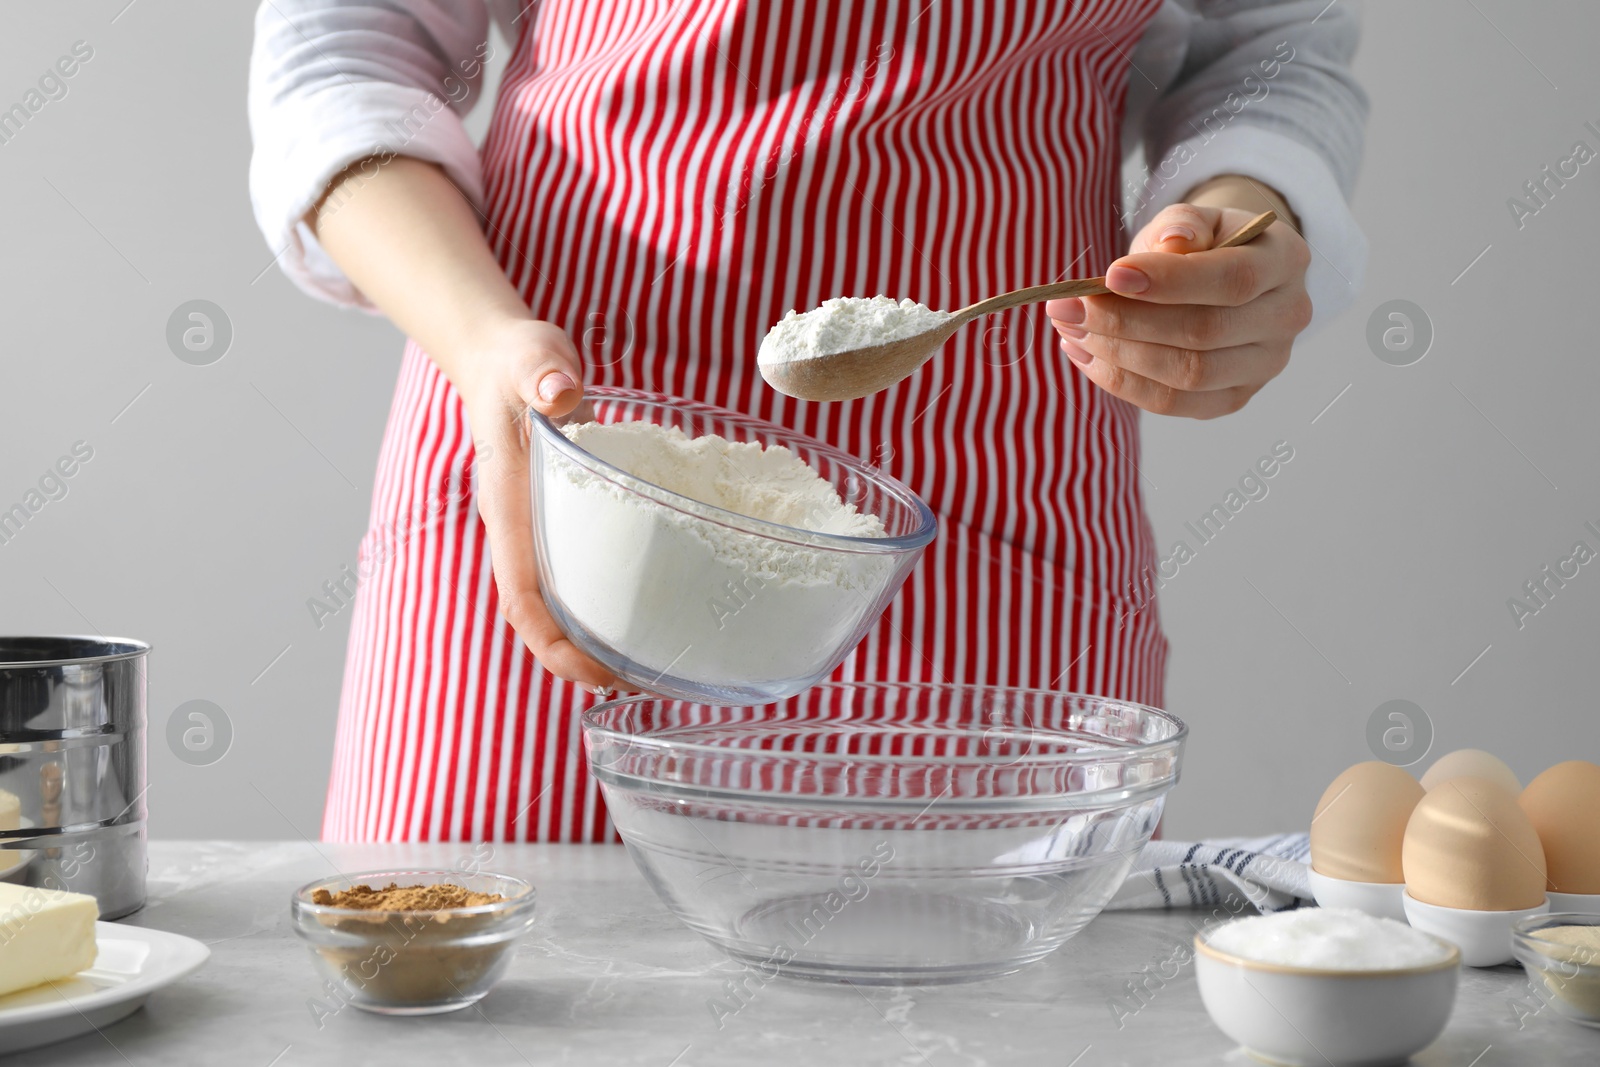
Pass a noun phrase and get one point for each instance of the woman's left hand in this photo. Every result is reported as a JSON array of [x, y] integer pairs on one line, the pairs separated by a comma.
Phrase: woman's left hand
[[1199, 332]]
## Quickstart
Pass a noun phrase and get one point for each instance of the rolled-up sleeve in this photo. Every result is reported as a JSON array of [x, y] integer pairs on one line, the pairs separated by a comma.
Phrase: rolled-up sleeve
[[1262, 89], [334, 82]]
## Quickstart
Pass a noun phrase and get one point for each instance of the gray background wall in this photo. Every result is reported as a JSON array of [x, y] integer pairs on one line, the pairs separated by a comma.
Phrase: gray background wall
[[219, 498]]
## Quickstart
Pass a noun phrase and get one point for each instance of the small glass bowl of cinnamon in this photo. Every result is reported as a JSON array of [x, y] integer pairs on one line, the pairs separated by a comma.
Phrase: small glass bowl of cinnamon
[[411, 942]]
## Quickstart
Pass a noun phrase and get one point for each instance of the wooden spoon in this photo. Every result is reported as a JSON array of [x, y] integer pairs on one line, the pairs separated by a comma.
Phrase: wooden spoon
[[861, 372]]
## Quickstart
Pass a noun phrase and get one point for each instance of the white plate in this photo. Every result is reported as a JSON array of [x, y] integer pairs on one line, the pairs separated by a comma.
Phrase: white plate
[[132, 963]]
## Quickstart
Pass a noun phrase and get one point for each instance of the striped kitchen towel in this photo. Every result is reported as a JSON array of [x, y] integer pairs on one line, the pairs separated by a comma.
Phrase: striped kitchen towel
[[1232, 874]]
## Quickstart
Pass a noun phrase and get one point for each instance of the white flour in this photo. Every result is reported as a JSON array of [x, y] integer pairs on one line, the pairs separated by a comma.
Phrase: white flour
[[845, 323], [683, 595]]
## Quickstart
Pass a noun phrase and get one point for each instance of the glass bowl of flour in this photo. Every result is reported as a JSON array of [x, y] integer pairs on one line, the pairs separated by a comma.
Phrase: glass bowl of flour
[[703, 554], [885, 832]]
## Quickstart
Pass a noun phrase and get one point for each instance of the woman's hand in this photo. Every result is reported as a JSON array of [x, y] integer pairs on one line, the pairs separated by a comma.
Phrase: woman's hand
[[1199, 332], [522, 362]]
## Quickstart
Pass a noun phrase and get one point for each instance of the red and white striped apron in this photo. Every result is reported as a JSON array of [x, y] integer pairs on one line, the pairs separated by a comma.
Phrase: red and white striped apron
[[665, 181]]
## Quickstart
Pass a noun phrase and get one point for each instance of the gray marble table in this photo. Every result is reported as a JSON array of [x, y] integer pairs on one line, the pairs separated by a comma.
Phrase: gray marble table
[[609, 977]]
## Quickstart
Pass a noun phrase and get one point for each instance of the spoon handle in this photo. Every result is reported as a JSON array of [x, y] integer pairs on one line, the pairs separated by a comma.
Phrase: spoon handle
[[1035, 294]]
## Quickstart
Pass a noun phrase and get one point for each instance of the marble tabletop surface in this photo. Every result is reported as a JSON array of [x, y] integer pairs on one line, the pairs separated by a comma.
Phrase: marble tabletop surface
[[609, 977]]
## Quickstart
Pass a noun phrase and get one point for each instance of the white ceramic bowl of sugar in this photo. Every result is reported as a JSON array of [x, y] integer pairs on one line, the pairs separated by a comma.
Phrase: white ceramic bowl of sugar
[[1387, 997]]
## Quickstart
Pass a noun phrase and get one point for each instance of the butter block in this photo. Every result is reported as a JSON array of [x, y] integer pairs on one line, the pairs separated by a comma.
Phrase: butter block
[[44, 934]]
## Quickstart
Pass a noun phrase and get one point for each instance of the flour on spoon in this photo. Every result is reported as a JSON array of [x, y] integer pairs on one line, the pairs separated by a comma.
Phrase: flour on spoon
[[846, 323]]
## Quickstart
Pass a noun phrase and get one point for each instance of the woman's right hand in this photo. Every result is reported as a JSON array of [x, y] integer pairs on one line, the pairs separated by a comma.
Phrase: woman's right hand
[[522, 362]]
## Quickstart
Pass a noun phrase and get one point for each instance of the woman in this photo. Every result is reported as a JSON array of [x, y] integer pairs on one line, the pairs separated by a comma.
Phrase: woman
[[660, 184]]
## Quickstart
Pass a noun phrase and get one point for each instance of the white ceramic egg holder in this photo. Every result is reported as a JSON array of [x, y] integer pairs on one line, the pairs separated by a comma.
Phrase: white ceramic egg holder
[[1484, 937], [1575, 903], [1385, 900]]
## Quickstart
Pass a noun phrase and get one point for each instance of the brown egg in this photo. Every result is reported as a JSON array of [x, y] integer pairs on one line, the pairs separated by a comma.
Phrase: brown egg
[[1468, 845], [1563, 804], [1360, 821], [1471, 763]]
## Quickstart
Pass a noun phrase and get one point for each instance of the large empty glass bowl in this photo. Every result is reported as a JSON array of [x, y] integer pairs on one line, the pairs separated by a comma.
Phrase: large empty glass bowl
[[681, 598], [886, 832]]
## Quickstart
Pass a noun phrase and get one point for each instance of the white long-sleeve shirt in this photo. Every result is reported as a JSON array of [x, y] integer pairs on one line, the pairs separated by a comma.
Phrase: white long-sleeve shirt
[[1250, 87]]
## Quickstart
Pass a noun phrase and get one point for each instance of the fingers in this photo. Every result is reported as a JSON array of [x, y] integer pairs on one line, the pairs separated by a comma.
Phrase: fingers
[[1203, 327], [549, 378], [1178, 228], [1159, 397], [1068, 312], [505, 507], [1198, 333], [538, 630], [1220, 277], [1196, 361], [1188, 369], [535, 364]]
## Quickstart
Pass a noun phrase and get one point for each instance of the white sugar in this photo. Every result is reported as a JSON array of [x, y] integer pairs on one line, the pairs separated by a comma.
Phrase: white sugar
[[1332, 938], [845, 323]]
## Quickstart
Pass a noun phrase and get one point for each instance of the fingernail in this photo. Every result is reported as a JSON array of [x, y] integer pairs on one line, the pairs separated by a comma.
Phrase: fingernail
[[1072, 311], [1127, 280], [552, 385], [1077, 333], [1176, 233], [1078, 353]]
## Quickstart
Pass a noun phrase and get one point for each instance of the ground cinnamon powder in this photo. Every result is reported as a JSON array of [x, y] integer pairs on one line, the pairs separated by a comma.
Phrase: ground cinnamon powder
[[394, 897], [415, 952]]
